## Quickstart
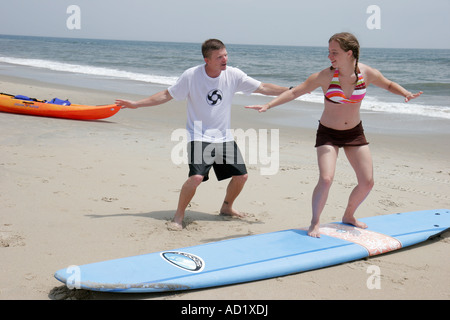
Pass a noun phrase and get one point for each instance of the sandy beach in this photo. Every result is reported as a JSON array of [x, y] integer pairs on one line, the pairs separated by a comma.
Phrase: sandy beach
[[77, 192]]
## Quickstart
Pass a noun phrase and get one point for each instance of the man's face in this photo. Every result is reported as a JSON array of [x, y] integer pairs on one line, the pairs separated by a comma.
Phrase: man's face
[[217, 60]]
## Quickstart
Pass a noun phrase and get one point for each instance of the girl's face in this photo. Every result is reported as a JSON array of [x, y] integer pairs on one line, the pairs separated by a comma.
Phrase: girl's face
[[337, 56]]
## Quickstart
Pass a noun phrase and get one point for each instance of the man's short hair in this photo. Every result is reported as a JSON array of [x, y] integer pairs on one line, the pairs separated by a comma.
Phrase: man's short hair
[[211, 45]]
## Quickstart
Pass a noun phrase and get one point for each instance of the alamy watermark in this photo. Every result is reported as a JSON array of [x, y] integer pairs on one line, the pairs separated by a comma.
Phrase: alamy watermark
[[73, 22], [254, 146], [74, 280], [374, 280], [374, 20]]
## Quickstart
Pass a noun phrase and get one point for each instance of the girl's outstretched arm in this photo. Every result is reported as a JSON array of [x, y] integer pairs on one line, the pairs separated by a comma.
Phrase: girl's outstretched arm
[[312, 83], [376, 77]]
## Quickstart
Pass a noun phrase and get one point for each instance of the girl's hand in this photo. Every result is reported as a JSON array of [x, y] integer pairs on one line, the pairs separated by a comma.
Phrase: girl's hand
[[259, 108], [412, 96]]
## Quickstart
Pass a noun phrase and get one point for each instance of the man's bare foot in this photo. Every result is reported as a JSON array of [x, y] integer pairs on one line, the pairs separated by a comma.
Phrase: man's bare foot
[[227, 210], [354, 222], [313, 231], [233, 214], [173, 226]]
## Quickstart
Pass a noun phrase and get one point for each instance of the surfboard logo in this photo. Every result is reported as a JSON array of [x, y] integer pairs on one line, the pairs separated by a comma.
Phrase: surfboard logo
[[183, 260]]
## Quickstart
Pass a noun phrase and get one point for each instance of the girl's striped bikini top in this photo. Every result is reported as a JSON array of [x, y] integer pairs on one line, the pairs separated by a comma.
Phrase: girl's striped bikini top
[[335, 93]]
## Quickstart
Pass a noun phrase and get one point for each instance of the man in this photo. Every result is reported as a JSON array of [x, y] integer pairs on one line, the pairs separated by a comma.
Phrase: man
[[209, 89]]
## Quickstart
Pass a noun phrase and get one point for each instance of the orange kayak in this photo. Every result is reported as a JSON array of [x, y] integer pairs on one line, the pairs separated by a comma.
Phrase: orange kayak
[[22, 105]]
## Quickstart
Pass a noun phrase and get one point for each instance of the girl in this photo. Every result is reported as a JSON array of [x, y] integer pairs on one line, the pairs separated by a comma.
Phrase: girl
[[344, 86]]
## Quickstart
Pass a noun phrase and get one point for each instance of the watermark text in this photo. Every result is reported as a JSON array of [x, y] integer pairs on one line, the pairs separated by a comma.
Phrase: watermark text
[[73, 22], [374, 280], [374, 20], [258, 147]]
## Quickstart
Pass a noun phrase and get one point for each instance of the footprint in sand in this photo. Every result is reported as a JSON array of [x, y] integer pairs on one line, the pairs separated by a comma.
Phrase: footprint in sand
[[10, 239]]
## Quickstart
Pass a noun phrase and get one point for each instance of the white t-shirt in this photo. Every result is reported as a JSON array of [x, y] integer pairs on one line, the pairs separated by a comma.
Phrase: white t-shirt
[[209, 101]]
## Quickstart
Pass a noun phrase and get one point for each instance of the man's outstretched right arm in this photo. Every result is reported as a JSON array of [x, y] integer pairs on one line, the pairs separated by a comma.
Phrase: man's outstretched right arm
[[154, 100]]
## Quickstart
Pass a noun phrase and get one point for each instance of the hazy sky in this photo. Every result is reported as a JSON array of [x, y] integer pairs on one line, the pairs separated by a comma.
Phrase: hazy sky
[[401, 23]]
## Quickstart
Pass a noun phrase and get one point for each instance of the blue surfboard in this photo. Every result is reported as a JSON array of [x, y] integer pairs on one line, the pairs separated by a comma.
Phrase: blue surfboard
[[256, 257]]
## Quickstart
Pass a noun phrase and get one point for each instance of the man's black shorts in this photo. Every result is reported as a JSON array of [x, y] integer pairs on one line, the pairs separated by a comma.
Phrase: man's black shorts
[[225, 158]]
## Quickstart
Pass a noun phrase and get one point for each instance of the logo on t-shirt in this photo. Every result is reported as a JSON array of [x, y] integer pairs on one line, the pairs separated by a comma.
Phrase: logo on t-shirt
[[214, 97]]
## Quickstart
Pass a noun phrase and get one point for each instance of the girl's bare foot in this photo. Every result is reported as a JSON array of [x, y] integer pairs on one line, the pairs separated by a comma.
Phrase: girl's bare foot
[[313, 231], [351, 220]]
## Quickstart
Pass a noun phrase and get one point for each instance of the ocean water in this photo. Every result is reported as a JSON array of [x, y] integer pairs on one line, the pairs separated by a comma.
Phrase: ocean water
[[138, 66]]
